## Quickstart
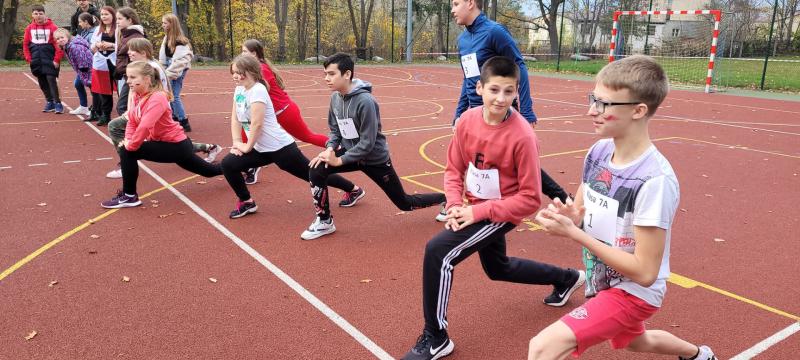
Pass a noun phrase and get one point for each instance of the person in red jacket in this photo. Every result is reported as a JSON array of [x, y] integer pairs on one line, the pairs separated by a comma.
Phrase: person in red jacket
[[493, 161], [152, 135], [44, 56]]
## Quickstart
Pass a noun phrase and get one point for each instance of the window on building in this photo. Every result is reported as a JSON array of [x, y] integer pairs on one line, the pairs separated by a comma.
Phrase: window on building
[[676, 32]]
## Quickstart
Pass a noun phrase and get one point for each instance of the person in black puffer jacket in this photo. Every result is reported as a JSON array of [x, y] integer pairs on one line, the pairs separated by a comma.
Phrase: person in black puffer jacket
[[44, 57], [83, 7]]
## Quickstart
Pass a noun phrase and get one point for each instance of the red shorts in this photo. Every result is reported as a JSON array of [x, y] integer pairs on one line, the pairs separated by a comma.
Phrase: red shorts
[[611, 315]]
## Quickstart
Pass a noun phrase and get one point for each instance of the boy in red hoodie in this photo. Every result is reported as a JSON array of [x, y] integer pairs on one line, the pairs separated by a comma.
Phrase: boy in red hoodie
[[44, 56], [493, 160]]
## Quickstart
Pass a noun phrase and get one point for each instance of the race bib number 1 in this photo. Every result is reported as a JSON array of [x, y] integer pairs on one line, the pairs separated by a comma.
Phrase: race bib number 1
[[600, 219], [469, 63], [347, 128], [483, 184]]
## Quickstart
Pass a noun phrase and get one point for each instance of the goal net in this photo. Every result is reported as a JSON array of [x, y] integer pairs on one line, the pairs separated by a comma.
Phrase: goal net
[[684, 42]]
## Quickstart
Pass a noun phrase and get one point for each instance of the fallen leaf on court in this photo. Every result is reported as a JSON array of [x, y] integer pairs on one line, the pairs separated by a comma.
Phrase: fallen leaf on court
[[709, 195], [31, 335], [523, 250], [154, 201], [92, 252], [213, 280], [683, 210], [94, 236], [91, 221], [719, 240], [394, 134], [41, 204], [289, 201], [162, 216], [520, 230], [400, 213], [202, 182], [131, 228], [87, 195], [568, 122], [562, 172], [126, 279], [52, 283], [704, 175], [181, 212], [734, 190], [48, 182], [154, 205], [366, 281], [675, 325]]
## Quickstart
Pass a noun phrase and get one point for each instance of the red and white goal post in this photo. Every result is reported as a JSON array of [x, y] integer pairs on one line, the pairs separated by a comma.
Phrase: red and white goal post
[[717, 16]]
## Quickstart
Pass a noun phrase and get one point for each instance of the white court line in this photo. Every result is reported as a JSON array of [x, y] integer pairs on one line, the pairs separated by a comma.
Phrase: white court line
[[39, 164], [105, 158], [768, 342], [294, 285], [71, 161], [5, 167]]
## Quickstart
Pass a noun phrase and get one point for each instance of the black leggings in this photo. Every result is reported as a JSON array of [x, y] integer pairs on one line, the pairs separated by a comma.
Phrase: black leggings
[[382, 174], [180, 153], [49, 86], [289, 159]]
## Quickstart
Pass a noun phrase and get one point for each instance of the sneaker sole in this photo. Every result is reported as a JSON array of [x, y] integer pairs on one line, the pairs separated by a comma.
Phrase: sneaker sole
[[363, 193], [315, 235], [446, 351], [251, 210], [441, 217], [579, 283], [123, 205]]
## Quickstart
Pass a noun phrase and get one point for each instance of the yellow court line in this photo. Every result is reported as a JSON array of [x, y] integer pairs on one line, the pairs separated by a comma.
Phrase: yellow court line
[[77, 229], [688, 283]]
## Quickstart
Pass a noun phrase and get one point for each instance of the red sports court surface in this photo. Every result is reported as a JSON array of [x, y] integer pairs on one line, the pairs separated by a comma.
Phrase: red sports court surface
[[203, 286]]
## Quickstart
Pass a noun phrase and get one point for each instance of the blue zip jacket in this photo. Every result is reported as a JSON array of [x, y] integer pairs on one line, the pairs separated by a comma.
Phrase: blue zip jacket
[[487, 39]]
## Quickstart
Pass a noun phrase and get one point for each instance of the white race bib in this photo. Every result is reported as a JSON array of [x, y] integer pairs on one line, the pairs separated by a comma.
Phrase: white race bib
[[347, 128], [600, 219], [483, 184], [469, 63]]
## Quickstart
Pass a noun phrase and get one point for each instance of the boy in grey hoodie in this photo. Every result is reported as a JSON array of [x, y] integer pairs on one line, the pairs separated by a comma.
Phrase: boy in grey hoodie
[[355, 122]]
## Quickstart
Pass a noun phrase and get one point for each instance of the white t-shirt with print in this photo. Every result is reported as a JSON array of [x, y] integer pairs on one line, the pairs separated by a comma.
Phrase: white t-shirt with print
[[272, 137], [644, 192]]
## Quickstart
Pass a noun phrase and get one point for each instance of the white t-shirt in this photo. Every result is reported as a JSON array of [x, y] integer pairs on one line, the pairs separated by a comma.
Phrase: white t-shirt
[[644, 192], [272, 137]]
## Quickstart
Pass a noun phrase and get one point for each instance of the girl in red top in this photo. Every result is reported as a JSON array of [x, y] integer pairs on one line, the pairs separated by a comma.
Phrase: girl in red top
[[288, 112], [152, 135]]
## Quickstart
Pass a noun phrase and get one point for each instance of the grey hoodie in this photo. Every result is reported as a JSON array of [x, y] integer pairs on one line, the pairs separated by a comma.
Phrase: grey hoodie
[[370, 146]]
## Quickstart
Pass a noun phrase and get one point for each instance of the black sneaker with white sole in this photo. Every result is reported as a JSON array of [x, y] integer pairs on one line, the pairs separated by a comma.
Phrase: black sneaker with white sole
[[561, 294], [243, 208], [251, 175], [350, 198], [121, 200], [430, 347]]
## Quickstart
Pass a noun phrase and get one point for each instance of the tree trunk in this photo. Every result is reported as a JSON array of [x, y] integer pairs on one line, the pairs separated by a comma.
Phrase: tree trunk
[[363, 35], [281, 9], [302, 30], [219, 24], [7, 28]]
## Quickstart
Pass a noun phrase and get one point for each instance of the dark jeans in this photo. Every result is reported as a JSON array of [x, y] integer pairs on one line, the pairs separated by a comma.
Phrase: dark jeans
[[382, 174], [180, 153], [49, 86], [81, 89], [448, 248], [289, 159], [122, 101]]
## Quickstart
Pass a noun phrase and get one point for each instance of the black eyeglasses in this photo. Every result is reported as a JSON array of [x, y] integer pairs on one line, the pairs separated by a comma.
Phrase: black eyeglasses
[[601, 105]]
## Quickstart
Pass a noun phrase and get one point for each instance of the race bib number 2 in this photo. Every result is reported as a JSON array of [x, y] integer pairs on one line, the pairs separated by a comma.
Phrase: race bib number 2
[[483, 184], [469, 63], [600, 219]]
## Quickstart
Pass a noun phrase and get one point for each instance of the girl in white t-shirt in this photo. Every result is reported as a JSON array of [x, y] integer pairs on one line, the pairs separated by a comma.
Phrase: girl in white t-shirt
[[267, 142]]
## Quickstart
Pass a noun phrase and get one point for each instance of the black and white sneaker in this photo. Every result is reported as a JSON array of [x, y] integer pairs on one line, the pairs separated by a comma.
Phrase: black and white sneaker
[[318, 228], [251, 175], [442, 215], [243, 208], [429, 347], [703, 353], [561, 294]]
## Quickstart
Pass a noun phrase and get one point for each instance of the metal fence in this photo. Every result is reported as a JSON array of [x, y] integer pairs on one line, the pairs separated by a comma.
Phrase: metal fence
[[759, 40]]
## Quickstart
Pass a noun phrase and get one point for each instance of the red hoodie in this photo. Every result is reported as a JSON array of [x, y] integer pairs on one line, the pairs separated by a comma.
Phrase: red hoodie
[[36, 36]]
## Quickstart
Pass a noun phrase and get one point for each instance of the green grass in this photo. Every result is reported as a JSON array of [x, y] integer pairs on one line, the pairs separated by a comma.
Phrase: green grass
[[733, 73], [12, 63]]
